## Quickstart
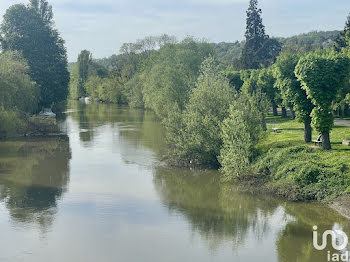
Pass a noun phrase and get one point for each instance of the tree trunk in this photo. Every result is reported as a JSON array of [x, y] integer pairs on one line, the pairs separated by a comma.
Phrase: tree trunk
[[292, 113], [263, 122], [346, 110], [307, 131], [274, 109], [326, 142], [284, 112]]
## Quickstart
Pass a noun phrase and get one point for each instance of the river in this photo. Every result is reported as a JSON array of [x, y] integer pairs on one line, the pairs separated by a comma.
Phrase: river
[[101, 193]]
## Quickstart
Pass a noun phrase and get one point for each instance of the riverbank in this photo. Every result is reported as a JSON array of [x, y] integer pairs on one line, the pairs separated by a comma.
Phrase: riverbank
[[289, 168], [24, 125]]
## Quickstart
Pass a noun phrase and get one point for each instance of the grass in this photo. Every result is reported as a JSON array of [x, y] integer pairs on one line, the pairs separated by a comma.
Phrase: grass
[[292, 134]]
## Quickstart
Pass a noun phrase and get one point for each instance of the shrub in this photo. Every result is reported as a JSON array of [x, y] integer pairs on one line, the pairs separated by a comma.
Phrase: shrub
[[311, 175], [241, 131]]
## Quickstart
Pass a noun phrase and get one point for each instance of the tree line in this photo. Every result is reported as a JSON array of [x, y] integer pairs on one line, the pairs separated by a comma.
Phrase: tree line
[[164, 75]]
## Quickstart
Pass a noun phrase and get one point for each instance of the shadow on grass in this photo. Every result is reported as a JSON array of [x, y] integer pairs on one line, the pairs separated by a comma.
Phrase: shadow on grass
[[296, 128]]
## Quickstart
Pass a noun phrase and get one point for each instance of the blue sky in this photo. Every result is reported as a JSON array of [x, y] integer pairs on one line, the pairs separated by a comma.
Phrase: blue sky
[[101, 26]]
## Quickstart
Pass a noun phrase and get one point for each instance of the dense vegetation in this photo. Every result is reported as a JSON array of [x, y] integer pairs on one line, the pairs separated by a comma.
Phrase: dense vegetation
[[33, 65], [214, 101]]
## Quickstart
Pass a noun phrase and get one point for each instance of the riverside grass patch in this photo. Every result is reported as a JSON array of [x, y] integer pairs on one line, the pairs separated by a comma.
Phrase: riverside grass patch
[[303, 173]]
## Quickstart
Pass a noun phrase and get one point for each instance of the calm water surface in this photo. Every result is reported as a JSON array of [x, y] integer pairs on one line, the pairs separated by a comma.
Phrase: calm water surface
[[100, 193]]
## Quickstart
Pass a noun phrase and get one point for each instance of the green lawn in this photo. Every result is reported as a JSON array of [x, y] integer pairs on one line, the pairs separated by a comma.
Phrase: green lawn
[[291, 134]]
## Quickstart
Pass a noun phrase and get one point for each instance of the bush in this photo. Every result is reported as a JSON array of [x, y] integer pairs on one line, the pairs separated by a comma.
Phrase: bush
[[9, 123], [241, 131]]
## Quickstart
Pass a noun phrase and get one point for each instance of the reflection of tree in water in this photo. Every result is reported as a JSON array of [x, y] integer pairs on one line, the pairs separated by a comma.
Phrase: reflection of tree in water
[[214, 210], [220, 214], [139, 127], [295, 241], [33, 176]]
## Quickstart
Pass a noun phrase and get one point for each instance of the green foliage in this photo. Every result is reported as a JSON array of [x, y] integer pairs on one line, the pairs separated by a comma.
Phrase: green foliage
[[28, 29], [170, 75], [228, 54], [76, 88], [257, 96], [342, 40], [290, 86], [195, 135], [322, 120], [10, 123], [108, 90], [19, 95], [322, 74], [234, 78], [84, 69], [308, 42], [241, 132], [347, 99], [134, 91], [266, 82], [17, 90], [308, 175], [84, 62]]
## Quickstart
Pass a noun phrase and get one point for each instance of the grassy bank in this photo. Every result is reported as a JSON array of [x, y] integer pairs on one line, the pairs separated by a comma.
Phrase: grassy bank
[[290, 168]]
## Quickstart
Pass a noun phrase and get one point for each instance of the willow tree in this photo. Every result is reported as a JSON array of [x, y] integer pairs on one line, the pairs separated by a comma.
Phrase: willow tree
[[322, 74], [292, 91]]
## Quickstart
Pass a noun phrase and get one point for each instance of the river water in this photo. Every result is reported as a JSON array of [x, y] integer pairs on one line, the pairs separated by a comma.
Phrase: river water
[[101, 193]]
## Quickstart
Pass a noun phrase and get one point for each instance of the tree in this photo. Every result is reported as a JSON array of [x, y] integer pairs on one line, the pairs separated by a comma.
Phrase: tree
[[322, 74], [234, 78], [84, 61], [29, 29], [241, 132], [291, 90], [342, 40], [43, 8], [259, 50], [17, 90], [19, 95], [258, 97], [196, 135], [83, 70], [171, 74], [266, 82]]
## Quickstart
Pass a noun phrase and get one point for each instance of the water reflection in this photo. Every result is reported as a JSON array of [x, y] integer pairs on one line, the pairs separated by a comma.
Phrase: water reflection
[[122, 204], [221, 214], [216, 211], [34, 175], [134, 128]]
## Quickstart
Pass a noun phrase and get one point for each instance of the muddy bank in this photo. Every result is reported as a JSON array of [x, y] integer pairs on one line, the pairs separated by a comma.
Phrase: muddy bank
[[342, 205]]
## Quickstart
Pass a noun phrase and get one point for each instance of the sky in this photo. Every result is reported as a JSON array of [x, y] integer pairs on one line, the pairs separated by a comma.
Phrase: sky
[[102, 26]]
